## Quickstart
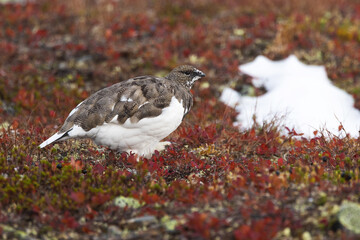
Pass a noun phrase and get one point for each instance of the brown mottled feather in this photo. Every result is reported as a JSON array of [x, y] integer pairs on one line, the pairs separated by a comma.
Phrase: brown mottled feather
[[152, 94]]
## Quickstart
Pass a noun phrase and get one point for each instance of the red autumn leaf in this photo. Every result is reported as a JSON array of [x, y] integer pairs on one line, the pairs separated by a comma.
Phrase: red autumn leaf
[[250, 166], [41, 33], [131, 33], [86, 229], [36, 209], [69, 222], [25, 98], [186, 52], [84, 94], [77, 164], [263, 149], [78, 197], [90, 212], [10, 32], [242, 232], [7, 47], [53, 165], [187, 14], [99, 199], [108, 33], [15, 124], [98, 169], [341, 164], [297, 144], [52, 113]]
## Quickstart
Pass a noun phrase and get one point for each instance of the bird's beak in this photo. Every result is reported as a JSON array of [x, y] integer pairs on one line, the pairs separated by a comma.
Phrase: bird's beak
[[200, 73]]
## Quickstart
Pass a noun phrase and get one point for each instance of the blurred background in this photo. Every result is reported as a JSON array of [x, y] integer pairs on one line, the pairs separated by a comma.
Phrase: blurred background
[[56, 52]]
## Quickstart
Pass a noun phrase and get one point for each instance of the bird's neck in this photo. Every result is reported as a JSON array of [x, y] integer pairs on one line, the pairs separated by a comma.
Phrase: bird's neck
[[186, 85]]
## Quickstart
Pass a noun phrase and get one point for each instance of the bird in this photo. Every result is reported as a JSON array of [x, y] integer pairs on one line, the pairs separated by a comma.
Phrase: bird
[[134, 115]]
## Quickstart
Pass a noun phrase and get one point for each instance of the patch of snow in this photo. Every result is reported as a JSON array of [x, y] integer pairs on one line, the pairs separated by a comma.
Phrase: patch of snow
[[299, 96]]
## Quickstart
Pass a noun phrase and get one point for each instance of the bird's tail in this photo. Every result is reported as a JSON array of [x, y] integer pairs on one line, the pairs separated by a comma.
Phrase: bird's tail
[[56, 137]]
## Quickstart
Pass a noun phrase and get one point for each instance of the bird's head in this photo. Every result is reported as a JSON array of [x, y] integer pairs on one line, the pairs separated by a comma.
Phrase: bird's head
[[186, 75]]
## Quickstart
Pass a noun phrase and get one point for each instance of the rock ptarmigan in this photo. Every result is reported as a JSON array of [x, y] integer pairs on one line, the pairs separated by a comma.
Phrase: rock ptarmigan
[[133, 115]]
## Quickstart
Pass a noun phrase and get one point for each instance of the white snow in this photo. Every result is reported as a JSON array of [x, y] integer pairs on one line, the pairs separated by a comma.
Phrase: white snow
[[299, 96]]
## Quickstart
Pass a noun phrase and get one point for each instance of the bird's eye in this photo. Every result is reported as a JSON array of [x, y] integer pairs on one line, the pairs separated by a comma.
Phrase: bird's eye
[[187, 73]]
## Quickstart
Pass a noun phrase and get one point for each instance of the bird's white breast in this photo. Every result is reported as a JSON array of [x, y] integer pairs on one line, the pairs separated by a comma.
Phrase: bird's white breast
[[140, 137]]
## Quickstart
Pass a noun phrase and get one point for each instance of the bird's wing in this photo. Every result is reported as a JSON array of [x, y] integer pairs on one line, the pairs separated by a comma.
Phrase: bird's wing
[[134, 99]]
